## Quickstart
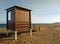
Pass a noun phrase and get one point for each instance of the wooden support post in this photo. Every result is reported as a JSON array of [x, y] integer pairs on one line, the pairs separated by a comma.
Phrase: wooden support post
[[30, 23], [7, 33], [15, 35], [30, 32], [39, 28], [7, 22]]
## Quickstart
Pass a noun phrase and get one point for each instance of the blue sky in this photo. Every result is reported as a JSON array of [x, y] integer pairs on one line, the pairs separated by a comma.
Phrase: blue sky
[[43, 11]]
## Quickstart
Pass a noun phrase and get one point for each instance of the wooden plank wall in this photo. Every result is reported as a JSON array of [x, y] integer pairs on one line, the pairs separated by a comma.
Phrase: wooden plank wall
[[40, 28], [12, 21], [22, 20]]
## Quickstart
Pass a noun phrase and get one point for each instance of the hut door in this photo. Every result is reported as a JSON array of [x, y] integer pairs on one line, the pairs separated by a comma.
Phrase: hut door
[[9, 20]]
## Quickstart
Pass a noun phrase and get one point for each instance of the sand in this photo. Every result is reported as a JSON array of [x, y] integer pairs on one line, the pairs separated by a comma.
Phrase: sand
[[46, 35]]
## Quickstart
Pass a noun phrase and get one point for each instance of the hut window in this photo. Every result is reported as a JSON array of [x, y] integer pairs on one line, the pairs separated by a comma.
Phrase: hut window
[[9, 15]]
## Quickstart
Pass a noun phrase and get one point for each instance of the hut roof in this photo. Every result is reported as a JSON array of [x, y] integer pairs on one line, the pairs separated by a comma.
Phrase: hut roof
[[19, 7]]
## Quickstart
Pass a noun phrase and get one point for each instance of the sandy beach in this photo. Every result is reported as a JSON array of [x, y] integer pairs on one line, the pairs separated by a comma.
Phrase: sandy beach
[[46, 35]]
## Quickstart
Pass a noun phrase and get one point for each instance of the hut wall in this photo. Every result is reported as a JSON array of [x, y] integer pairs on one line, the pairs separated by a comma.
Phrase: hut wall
[[22, 20], [12, 21]]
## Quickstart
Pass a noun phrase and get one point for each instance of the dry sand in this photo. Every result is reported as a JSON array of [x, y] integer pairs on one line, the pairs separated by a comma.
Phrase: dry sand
[[46, 35]]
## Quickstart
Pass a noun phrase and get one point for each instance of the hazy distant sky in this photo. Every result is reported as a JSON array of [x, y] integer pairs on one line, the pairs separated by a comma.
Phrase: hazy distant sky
[[43, 11]]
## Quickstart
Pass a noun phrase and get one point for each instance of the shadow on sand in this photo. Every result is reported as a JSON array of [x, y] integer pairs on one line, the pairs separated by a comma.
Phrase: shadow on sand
[[4, 35]]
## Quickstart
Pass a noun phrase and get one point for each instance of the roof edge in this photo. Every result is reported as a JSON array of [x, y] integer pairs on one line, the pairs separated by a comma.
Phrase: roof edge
[[18, 7]]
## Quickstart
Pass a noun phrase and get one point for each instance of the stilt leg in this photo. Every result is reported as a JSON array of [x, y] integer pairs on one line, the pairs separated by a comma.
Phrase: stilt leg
[[15, 35], [30, 32], [7, 33]]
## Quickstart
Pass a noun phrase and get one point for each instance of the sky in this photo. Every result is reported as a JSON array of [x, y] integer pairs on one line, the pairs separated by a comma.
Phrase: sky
[[43, 11]]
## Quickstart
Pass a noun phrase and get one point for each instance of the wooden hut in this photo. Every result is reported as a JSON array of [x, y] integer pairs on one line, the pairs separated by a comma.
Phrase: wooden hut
[[20, 18]]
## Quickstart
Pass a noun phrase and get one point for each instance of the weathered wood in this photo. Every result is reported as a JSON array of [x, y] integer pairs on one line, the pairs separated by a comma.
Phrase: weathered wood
[[20, 18]]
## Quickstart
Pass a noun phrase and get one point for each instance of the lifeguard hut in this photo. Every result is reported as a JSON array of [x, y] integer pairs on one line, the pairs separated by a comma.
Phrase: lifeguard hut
[[18, 19]]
